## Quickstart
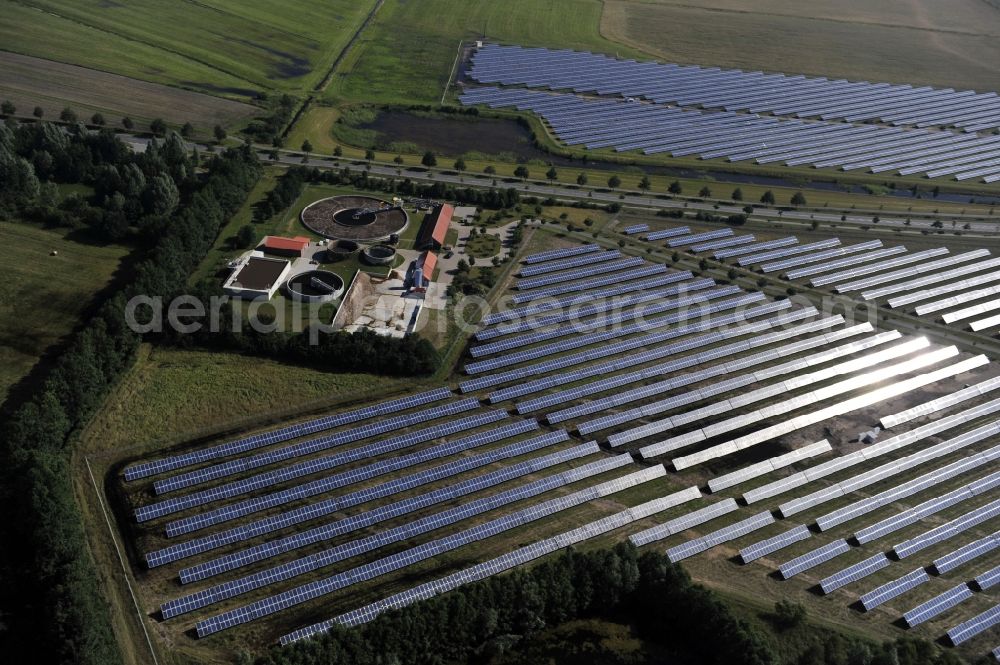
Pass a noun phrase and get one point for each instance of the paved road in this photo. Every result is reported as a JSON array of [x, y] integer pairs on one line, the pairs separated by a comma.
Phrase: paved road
[[535, 188]]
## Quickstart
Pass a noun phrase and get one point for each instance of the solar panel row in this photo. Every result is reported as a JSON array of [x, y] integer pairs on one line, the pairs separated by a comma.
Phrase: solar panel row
[[327, 557], [783, 387], [813, 558], [655, 389], [580, 307], [684, 522], [580, 299], [322, 587], [871, 452], [977, 624], [327, 462], [500, 564], [642, 313], [937, 605], [839, 409], [775, 543], [554, 254], [311, 446], [331, 506], [854, 573], [596, 282], [565, 264], [894, 589], [658, 350], [633, 343], [723, 535], [765, 467], [146, 469]]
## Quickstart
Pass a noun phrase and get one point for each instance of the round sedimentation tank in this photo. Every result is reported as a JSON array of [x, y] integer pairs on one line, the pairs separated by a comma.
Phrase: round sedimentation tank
[[379, 255], [354, 218], [315, 286], [343, 247]]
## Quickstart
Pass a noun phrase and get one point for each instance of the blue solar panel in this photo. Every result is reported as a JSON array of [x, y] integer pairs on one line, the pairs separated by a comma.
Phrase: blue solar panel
[[146, 469], [330, 506]]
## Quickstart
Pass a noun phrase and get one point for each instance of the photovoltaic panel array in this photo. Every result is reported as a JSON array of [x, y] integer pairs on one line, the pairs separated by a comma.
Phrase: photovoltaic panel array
[[924, 294], [756, 248], [775, 543], [684, 522], [594, 283], [324, 463], [407, 506], [974, 626], [581, 299], [322, 587], [967, 553], [937, 605], [729, 368], [243, 464], [146, 469], [854, 573], [577, 313], [311, 488], [554, 254], [330, 556], [784, 264], [564, 264], [941, 403], [896, 467], [498, 565], [894, 589], [878, 266], [330, 506], [635, 228], [633, 343], [988, 579], [658, 352], [724, 535], [813, 558], [736, 90], [624, 397], [599, 324], [667, 233], [838, 409], [765, 467], [947, 530], [878, 449], [578, 273]]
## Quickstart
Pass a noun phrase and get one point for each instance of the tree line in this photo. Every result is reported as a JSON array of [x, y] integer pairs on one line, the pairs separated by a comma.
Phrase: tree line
[[54, 608], [486, 621]]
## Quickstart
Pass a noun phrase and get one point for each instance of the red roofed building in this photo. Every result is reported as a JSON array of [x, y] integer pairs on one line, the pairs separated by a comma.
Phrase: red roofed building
[[425, 265], [435, 227], [285, 246]]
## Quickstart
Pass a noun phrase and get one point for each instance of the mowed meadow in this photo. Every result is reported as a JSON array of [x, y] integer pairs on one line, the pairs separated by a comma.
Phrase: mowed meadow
[[953, 43], [44, 295], [232, 48]]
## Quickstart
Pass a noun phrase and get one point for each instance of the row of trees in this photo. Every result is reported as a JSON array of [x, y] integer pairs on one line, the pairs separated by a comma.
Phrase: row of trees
[[54, 608], [157, 126], [286, 190]]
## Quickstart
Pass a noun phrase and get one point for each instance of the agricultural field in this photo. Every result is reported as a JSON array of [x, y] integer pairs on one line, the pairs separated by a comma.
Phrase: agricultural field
[[223, 47], [947, 44], [29, 82], [45, 295]]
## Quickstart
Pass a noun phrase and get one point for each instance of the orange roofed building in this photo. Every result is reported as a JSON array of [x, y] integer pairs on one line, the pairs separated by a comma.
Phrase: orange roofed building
[[435, 227], [285, 246]]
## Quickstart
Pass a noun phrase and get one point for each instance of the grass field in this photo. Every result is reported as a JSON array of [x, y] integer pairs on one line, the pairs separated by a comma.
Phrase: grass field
[[29, 82], [44, 295], [406, 55], [946, 44], [227, 47], [172, 395]]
